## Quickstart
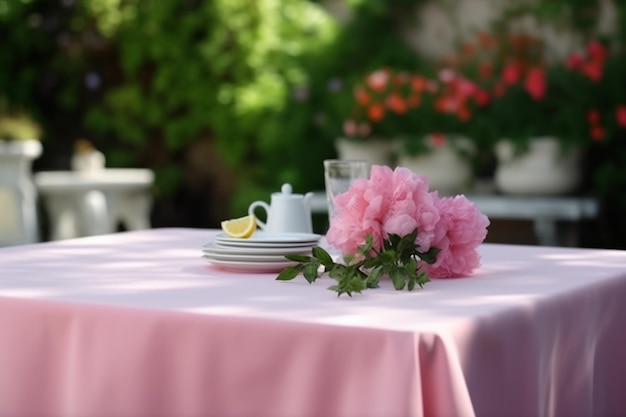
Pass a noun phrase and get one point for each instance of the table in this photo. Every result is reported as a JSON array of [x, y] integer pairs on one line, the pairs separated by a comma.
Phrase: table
[[87, 203], [546, 213], [137, 324]]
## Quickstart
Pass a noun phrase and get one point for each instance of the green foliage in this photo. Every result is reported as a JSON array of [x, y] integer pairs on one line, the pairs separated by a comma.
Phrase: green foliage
[[191, 69], [39, 76], [397, 259]]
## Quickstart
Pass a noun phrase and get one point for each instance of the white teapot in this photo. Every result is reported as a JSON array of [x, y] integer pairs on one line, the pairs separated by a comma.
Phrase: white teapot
[[288, 212]]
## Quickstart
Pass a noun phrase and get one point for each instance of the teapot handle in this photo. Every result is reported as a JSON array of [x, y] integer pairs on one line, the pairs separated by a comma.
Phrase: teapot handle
[[265, 206]]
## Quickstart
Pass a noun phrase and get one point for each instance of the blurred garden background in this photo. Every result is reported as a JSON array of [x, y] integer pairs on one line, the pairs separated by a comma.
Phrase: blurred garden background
[[225, 100]]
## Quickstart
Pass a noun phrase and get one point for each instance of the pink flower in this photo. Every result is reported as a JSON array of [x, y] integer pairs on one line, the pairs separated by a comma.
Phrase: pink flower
[[364, 129], [349, 128], [446, 75], [390, 201], [398, 202], [411, 207], [462, 227], [378, 80]]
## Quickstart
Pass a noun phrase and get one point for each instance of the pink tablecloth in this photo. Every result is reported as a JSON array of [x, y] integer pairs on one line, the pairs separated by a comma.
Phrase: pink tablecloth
[[137, 324]]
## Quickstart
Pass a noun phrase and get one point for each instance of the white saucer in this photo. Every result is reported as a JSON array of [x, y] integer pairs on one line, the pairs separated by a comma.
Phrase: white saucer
[[217, 248], [244, 257], [270, 240], [238, 266]]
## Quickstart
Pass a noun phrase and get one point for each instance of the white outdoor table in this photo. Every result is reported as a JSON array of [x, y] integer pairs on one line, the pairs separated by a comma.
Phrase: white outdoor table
[[86, 203], [545, 212]]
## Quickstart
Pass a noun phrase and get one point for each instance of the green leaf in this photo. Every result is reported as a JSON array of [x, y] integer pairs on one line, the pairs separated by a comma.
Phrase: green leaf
[[422, 278], [429, 257], [349, 258], [324, 257], [310, 271], [288, 273], [298, 258], [411, 266], [373, 278], [363, 270], [411, 283], [366, 248], [398, 279], [388, 256], [394, 240]]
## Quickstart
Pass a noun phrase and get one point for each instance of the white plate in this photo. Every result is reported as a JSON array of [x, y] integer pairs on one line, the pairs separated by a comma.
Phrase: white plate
[[251, 266], [246, 244], [244, 258], [267, 239], [237, 250]]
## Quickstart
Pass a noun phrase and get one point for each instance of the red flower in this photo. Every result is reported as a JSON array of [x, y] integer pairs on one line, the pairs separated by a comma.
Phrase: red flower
[[437, 139], [593, 70], [511, 74], [597, 133], [574, 61], [485, 70], [396, 103], [597, 51], [486, 40], [447, 104], [593, 116], [401, 78], [464, 114], [482, 98], [413, 101], [535, 83], [418, 84], [361, 96], [499, 90], [620, 115], [376, 112]]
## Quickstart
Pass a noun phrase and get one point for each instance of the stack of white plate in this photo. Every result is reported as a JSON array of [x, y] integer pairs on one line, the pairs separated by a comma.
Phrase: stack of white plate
[[262, 252]]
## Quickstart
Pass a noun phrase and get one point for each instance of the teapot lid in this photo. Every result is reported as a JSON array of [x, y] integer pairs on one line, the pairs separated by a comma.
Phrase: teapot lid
[[286, 191]]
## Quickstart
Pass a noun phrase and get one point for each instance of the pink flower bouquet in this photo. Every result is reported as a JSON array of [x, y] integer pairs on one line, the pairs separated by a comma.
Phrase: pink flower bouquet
[[392, 225], [398, 202]]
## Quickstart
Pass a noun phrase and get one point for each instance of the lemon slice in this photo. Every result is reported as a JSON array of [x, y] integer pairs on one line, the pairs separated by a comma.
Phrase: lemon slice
[[242, 227]]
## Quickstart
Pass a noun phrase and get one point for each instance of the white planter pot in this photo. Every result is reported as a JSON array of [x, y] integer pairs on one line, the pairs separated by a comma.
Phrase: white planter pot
[[543, 170], [448, 172], [375, 151], [18, 223]]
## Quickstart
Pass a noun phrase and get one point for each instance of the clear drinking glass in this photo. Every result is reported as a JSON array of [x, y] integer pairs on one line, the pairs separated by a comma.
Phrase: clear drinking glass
[[338, 177]]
